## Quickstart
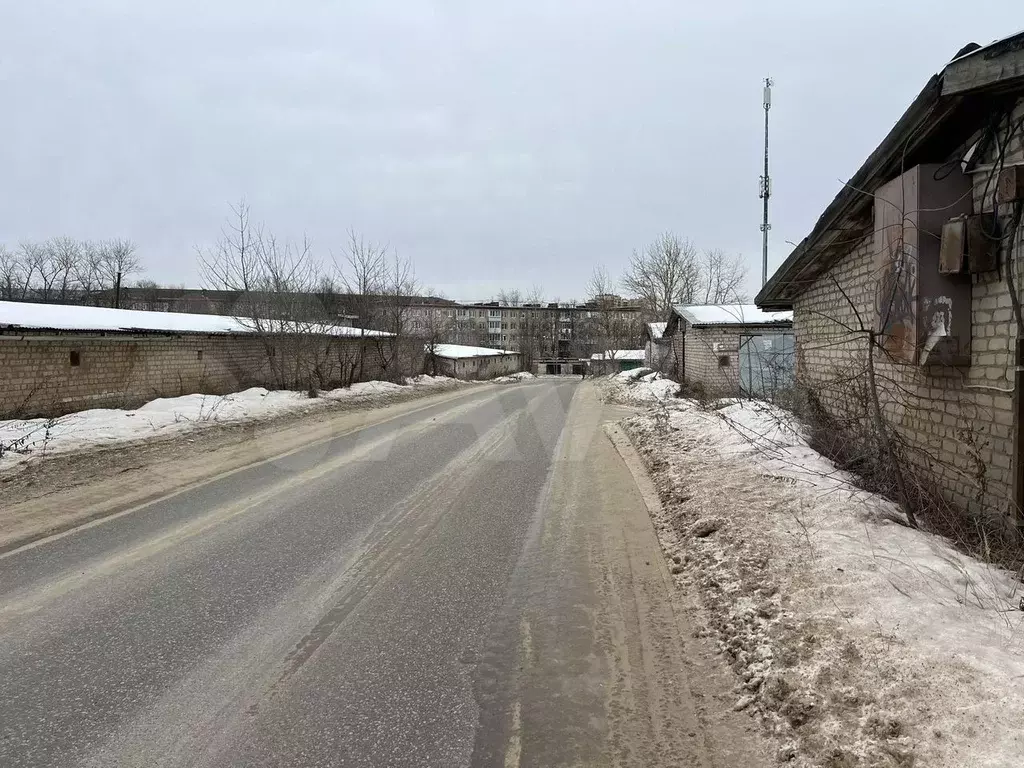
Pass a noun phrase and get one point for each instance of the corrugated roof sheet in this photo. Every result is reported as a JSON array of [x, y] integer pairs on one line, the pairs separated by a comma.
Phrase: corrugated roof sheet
[[730, 314], [459, 351], [56, 317]]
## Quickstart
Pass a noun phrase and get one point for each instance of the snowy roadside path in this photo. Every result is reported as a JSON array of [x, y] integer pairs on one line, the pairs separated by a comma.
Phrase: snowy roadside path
[[856, 641]]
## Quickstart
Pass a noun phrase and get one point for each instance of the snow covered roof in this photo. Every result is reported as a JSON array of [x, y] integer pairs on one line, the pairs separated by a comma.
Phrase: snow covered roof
[[619, 354], [458, 351], [16, 314], [656, 330], [730, 314]]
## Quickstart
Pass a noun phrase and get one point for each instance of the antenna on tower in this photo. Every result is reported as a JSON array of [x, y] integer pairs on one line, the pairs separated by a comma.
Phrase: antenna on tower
[[766, 180]]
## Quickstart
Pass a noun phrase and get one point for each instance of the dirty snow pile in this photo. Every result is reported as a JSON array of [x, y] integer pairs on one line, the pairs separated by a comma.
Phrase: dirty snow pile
[[856, 640], [21, 439], [514, 377], [639, 386]]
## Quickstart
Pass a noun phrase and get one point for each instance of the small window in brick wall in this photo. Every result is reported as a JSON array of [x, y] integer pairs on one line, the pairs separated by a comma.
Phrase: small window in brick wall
[[199, 355], [723, 361], [75, 358]]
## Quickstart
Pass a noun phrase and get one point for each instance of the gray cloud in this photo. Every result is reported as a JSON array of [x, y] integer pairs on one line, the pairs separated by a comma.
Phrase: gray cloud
[[496, 144]]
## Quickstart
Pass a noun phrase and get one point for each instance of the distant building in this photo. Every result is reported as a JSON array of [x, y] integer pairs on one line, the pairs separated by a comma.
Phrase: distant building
[[731, 348], [465, 362], [557, 330], [559, 367]]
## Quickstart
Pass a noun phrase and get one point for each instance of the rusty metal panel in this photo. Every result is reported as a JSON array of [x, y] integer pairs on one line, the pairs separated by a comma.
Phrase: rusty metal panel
[[897, 266], [951, 249], [1010, 186], [923, 299], [982, 244]]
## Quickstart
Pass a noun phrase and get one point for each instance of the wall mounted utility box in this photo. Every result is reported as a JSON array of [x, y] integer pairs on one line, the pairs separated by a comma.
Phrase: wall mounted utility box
[[1010, 185], [923, 316], [969, 244]]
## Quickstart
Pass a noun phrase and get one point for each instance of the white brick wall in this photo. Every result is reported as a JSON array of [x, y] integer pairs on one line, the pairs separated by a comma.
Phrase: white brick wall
[[960, 421]]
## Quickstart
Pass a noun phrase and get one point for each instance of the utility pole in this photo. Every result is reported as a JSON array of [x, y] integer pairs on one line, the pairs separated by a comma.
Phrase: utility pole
[[766, 180]]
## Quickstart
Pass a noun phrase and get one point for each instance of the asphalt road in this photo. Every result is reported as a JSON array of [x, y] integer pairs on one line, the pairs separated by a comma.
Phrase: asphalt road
[[471, 584]]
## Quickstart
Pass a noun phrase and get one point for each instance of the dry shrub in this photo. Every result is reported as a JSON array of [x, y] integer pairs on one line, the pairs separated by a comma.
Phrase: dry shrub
[[851, 444]]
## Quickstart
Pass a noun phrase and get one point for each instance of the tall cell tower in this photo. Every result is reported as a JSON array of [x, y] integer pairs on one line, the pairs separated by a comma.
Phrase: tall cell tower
[[766, 180]]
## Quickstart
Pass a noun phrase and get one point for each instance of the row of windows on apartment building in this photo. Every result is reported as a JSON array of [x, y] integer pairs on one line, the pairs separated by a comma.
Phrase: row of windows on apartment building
[[492, 326], [500, 313]]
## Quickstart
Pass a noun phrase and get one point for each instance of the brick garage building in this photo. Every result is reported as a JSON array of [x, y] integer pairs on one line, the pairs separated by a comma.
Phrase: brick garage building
[[731, 348], [911, 274], [58, 359], [465, 362]]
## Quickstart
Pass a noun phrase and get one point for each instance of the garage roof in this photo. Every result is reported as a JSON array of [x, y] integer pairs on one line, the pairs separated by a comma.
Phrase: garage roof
[[58, 317]]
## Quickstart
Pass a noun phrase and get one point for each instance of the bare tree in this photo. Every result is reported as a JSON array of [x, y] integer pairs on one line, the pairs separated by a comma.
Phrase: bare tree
[[117, 258], [469, 330], [279, 285], [88, 271], [14, 281], [664, 273], [361, 273], [39, 270], [610, 326], [64, 256], [437, 328], [400, 354], [600, 284], [722, 277], [65, 270], [510, 297], [231, 263]]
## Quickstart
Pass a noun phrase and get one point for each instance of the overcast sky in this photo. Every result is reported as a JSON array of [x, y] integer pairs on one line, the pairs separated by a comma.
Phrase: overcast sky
[[496, 144]]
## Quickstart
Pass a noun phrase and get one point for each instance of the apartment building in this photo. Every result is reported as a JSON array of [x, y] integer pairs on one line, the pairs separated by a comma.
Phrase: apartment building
[[556, 329]]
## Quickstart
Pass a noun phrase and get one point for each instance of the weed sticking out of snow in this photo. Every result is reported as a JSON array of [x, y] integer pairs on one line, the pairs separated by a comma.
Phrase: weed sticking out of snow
[[22, 439], [857, 641]]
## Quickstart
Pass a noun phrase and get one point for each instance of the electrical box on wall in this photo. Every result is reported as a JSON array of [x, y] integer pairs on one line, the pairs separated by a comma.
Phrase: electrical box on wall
[[923, 295], [1010, 185], [953, 247], [968, 245]]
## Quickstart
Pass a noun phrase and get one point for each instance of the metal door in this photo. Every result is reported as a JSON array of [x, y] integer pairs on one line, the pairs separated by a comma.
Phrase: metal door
[[766, 363]]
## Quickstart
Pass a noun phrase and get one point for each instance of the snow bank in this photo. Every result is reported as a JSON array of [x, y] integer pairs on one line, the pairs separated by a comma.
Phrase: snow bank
[[632, 375], [21, 439], [514, 377], [640, 386], [856, 639]]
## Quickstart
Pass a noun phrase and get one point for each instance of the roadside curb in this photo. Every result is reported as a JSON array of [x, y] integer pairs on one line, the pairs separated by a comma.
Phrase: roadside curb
[[714, 710]]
